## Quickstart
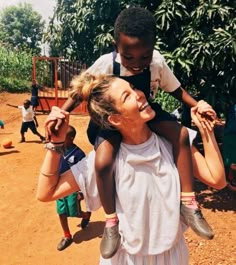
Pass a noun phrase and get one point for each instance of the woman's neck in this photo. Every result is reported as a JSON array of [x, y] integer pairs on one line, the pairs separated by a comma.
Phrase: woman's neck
[[137, 135]]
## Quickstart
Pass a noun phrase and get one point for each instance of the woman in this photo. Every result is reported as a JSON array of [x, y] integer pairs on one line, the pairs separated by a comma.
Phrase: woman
[[145, 173]]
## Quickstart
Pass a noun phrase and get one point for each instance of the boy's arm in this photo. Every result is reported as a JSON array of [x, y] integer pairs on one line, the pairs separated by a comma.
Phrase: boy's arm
[[10, 105], [183, 96]]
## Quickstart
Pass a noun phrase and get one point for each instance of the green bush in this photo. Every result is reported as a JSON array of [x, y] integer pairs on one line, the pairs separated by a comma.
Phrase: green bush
[[14, 85], [15, 70]]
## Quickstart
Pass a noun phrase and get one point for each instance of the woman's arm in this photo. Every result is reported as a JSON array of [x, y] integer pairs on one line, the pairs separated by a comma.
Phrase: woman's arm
[[52, 185], [209, 168]]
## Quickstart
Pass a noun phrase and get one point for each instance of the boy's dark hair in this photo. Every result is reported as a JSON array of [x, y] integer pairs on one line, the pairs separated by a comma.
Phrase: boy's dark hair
[[27, 101], [135, 22], [71, 131]]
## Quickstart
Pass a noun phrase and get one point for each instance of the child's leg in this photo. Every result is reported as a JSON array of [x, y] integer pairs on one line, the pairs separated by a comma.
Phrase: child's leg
[[42, 138], [67, 239], [178, 136], [23, 129], [34, 131], [22, 137], [104, 165]]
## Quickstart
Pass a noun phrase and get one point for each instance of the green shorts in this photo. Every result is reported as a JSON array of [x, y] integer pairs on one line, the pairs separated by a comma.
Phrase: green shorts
[[68, 205]]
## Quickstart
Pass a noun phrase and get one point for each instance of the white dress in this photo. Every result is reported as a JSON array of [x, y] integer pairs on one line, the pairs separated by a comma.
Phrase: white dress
[[147, 203]]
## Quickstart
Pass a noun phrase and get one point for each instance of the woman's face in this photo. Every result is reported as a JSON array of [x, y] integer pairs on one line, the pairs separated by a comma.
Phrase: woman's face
[[136, 54], [130, 103]]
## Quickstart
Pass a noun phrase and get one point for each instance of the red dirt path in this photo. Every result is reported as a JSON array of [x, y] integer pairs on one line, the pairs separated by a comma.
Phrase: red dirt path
[[30, 230]]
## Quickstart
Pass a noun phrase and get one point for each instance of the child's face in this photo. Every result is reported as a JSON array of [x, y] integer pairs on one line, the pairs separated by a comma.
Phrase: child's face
[[135, 53], [26, 104]]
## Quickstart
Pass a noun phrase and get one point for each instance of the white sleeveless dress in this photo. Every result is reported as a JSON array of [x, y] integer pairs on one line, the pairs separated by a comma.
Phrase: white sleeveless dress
[[147, 203]]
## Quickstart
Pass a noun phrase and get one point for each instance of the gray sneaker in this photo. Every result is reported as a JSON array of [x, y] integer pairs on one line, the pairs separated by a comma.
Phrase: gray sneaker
[[195, 219], [110, 242]]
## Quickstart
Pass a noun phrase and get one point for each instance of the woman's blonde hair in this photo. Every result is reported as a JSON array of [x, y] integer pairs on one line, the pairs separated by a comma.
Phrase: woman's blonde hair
[[93, 89]]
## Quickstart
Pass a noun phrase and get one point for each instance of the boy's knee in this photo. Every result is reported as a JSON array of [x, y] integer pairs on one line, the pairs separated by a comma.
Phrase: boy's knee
[[184, 137]]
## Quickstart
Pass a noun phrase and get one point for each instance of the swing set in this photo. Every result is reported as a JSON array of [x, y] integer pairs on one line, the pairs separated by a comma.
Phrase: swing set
[[54, 74]]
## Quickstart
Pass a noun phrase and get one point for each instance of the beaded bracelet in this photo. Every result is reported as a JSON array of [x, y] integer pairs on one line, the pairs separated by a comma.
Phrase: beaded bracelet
[[58, 148]]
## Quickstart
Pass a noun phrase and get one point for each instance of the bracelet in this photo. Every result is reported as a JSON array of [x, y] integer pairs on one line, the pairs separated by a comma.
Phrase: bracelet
[[49, 174], [56, 148], [57, 143]]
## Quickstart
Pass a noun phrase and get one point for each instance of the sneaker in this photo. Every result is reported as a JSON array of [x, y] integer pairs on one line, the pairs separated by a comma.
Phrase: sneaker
[[195, 219], [85, 220], [64, 243], [110, 241]]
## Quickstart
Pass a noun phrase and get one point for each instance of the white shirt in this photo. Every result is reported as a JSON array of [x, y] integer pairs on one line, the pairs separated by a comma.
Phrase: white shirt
[[27, 114], [161, 75], [147, 199]]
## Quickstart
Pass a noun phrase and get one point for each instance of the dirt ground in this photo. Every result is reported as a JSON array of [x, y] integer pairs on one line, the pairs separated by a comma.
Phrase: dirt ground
[[30, 230]]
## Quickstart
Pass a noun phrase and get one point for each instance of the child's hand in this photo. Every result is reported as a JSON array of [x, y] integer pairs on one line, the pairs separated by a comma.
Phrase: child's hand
[[207, 115], [56, 125]]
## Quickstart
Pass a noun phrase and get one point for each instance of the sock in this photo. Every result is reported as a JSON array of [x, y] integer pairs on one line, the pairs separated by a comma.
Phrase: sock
[[189, 199], [67, 234], [111, 219]]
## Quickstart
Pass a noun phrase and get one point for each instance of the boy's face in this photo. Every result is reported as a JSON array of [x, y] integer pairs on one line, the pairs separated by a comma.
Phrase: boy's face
[[26, 104], [135, 53]]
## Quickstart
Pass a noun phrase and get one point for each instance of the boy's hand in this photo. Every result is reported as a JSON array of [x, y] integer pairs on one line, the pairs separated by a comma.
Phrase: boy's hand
[[56, 123], [207, 115]]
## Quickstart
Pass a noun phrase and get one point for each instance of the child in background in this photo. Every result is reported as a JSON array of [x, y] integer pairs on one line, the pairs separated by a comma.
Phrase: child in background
[[34, 94], [137, 62], [29, 120], [69, 206]]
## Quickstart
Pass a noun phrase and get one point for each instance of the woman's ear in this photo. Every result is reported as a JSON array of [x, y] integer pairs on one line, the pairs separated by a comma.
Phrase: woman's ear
[[114, 119]]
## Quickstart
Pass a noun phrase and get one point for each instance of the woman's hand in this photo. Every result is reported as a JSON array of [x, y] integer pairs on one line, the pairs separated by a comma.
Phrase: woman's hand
[[199, 120], [207, 116], [56, 125]]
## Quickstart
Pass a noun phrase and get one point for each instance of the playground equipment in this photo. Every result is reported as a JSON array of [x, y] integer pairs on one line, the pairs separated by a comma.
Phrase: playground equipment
[[54, 75]]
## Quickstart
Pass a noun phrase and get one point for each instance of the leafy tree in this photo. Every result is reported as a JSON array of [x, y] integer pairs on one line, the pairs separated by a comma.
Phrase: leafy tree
[[21, 28], [198, 40], [83, 29], [196, 37]]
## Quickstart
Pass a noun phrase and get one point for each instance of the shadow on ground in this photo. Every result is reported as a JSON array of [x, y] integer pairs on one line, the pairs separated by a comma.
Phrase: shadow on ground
[[216, 200], [95, 229]]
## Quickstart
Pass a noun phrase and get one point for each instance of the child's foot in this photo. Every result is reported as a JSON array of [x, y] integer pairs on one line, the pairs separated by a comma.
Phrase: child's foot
[[85, 220], [22, 140], [110, 241], [43, 139], [194, 218], [64, 243]]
